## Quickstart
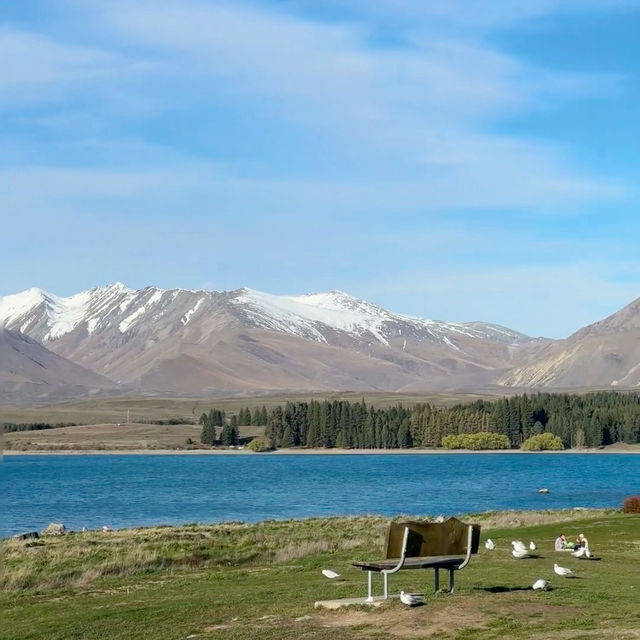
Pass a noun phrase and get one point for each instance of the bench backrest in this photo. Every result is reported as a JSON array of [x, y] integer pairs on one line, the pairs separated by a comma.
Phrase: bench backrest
[[446, 538]]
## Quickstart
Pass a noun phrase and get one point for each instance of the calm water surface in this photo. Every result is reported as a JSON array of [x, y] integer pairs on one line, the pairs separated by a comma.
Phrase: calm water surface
[[131, 490]]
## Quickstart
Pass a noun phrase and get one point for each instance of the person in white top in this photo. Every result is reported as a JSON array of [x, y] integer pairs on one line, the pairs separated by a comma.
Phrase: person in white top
[[561, 543]]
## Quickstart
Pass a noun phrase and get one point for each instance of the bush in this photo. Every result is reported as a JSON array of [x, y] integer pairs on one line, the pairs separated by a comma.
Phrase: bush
[[543, 442], [476, 441], [259, 445], [631, 505]]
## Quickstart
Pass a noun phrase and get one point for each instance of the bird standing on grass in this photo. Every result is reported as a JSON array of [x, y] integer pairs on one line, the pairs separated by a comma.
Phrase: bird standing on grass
[[328, 573], [563, 571], [532, 546], [541, 585], [411, 599], [490, 544], [582, 552], [518, 545]]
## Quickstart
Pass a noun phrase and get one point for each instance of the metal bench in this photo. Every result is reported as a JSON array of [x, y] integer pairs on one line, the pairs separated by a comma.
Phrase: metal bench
[[424, 545]]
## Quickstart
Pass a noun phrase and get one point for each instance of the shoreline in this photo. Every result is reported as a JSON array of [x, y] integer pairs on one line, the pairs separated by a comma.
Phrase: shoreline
[[631, 449]]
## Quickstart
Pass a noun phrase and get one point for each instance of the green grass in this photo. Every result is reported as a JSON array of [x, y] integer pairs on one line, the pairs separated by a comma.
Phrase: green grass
[[239, 580]]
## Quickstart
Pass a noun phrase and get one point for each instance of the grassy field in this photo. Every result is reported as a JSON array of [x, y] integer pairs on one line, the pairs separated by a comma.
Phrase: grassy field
[[113, 437], [114, 410], [240, 581]]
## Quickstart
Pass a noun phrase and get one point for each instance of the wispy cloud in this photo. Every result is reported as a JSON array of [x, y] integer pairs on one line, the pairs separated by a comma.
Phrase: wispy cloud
[[292, 125], [40, 69]]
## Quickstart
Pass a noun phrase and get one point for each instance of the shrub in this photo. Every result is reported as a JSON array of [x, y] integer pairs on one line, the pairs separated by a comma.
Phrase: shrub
[[631, 505], [259, 445], [476, 441], [543, 442]]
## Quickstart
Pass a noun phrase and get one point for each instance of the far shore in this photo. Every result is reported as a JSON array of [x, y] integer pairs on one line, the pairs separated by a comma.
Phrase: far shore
[[615, 449]]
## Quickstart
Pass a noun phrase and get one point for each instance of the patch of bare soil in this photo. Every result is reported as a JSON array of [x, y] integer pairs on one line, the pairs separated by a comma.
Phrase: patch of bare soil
[[438, 617], [604, 633], [398, 621]]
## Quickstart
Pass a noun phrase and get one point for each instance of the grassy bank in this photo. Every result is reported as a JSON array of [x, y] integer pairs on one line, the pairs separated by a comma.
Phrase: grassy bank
[[239, 580]]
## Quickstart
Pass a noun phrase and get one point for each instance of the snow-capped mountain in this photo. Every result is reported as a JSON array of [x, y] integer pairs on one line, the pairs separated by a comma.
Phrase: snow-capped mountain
[[48, 317], [204, 341]]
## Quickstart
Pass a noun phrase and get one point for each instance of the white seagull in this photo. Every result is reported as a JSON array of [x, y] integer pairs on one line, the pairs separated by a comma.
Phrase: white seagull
[[562, 571], [532, 546], [490, 544], [106, 528], [411, 599], [518, 545], [519, 553], [581, 552], [327, 573], [541, 585]]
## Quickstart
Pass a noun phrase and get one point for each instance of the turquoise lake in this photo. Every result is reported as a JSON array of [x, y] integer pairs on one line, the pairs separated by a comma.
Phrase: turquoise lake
[[132, 490]]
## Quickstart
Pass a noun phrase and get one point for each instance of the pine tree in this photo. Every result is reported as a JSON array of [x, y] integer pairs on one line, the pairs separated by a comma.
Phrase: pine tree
[[208, 433], [404, 435], [228, 435], [287, 438]]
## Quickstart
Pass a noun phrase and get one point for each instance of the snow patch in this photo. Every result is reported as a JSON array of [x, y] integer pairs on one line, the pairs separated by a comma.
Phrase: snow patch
[[300, 315], [187, 316], [129, 320], [17, 305]]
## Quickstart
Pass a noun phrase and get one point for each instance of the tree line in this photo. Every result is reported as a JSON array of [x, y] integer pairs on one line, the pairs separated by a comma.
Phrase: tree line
[[12, 427], [590, 420]]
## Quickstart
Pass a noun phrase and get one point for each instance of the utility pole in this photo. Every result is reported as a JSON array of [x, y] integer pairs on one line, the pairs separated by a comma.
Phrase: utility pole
[[128, 416]]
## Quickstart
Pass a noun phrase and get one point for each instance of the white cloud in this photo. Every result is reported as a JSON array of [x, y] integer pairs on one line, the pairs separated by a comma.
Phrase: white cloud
[[424, 109], [40, 68], [410, 127]]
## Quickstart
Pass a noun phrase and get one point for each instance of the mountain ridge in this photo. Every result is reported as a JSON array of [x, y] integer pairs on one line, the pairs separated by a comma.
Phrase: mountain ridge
[[65, 313], [181, 340], [192, 342]]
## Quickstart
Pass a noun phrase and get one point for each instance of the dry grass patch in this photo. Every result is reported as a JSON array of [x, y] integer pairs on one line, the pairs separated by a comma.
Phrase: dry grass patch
[[396, 620], [510, 519]]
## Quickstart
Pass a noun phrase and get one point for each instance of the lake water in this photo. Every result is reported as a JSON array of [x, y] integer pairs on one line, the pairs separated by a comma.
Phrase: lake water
[[132, 490]]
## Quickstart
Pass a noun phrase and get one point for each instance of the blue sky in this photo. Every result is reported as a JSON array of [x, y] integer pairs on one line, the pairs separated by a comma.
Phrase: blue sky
[[455, 160]]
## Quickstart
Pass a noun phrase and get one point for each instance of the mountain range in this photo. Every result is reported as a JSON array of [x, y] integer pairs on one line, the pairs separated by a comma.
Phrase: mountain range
[[175, 341]]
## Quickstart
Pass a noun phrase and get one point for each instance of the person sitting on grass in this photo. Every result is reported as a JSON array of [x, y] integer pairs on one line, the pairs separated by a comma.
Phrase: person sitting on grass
[[560, 543]]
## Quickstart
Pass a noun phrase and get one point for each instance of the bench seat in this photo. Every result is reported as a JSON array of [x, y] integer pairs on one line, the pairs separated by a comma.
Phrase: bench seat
[[424, 562], [444, 545]]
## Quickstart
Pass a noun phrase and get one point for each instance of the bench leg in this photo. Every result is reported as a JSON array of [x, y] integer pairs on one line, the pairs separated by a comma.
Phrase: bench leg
[[385, 580], [451, 581], [436, 580], [369, 586]]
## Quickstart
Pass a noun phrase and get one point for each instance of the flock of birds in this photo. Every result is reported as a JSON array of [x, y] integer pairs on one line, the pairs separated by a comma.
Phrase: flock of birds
[[519, 551]]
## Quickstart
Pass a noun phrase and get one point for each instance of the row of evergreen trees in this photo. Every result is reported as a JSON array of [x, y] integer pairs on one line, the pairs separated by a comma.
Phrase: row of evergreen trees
[[590, 420], [216, 418], [256, 418]]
